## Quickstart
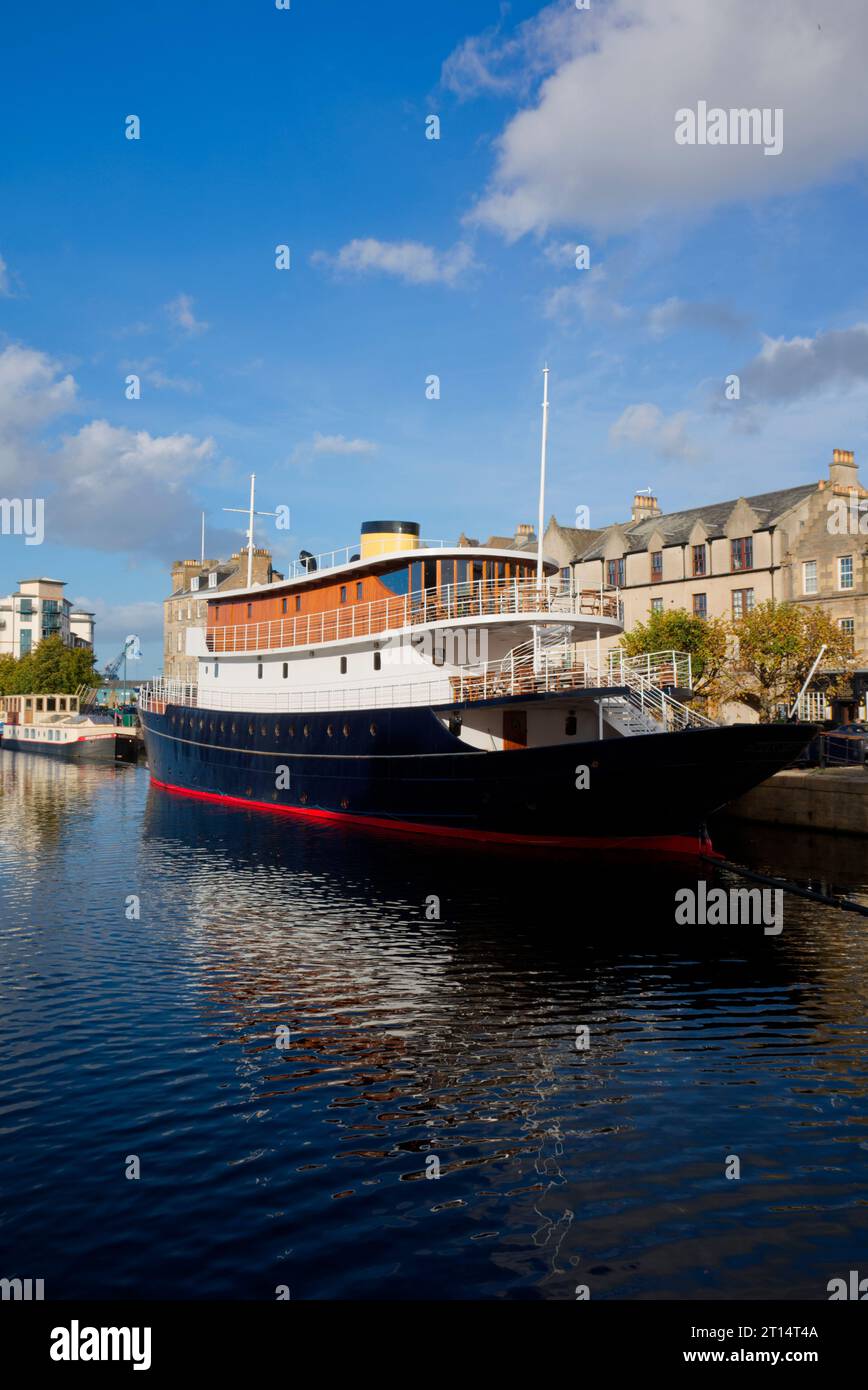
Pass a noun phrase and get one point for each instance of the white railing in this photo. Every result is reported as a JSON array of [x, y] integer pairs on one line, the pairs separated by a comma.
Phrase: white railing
[[481, 598], [670, 714], [485, 682], [662, 668], [344, 555]]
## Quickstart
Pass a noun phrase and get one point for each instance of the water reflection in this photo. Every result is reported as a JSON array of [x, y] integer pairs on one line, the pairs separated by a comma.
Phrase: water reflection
[[413, 1035]]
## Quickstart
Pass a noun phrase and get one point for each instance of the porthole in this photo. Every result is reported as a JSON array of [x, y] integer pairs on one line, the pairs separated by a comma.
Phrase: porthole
[[306, 731], [303, 797], [201, 726], [277, 731], [173, 719], [373, 731], [330, 730], [292, 731], [264, 730], [346, 731], [210, 726], [222, 726], [344, 804], [232, 730], [250, 730]]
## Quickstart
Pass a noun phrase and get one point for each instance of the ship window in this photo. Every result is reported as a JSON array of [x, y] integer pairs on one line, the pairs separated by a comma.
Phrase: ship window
[[373, 731], [447, 568], [259, 671], [285, 669], [283, 605], [250, 610], [416, 576], [232, 730], [343, 593], [396, 581], [570, 723], [378, 661], [292, 731], [298, 603], [359, 589], [330, 730], [264, 730], [216, 669], [306, 731], [222, 726], [277, 731], [343, 666], [250, 730], [346, 731], [303, 797]]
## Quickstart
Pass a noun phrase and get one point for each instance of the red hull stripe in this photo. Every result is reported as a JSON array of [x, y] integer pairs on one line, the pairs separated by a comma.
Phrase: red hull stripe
[[680, 846]]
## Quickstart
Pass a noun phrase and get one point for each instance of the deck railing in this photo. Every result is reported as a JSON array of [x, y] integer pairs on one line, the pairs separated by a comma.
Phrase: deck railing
[[663, 668], [486, 682], [479, 599]]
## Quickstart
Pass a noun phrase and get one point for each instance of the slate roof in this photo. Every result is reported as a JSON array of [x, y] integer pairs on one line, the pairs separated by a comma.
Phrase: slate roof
[[675, 527]]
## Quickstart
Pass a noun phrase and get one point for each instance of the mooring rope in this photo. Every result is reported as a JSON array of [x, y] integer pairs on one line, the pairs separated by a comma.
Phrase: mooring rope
[[829, 899]]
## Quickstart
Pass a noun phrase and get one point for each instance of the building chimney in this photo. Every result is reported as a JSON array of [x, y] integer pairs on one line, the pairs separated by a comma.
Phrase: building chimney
[[524, 532], [644, 507], [843, 472]]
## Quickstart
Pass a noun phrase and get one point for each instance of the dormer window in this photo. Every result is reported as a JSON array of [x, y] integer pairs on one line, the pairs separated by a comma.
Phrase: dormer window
[[212, 580], [194, 583]]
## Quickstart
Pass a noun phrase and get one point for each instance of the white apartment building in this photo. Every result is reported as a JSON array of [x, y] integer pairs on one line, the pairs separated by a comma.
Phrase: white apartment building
[[37, 610]]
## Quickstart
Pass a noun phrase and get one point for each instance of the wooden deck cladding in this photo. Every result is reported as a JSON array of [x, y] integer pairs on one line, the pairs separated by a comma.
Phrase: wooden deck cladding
[[479, 599], [329, 594]]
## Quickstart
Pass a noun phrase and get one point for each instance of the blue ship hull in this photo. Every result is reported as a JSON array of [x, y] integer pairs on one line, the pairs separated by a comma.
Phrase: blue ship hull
[[402, 769]]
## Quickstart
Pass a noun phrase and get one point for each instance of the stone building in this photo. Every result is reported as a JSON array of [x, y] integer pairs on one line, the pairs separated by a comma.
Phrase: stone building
[[193, 583], [804, 544]]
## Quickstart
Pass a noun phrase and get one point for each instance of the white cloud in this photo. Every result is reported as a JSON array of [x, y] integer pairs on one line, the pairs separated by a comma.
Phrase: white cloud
[[411, 261], [5, 286], [694, 315], [180, 311], [339, 444], [115, 621], [596, 147], [645, 426], [589, 297], [787, 368], [104, 486], [32, 390]]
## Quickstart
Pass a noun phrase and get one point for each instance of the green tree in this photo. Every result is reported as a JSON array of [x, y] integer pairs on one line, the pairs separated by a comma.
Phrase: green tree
[[50, 669], [775, 647], [677, 630]]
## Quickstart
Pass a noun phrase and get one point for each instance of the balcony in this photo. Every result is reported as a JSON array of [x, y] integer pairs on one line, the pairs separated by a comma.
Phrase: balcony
[[483, 599]]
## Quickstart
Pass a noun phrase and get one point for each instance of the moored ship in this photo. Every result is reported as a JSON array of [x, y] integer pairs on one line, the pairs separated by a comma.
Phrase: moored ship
[[458, 690]]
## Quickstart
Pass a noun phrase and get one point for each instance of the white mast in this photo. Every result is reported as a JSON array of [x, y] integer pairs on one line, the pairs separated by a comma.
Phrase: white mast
[[250, 513], [202, 561], [542, 477]]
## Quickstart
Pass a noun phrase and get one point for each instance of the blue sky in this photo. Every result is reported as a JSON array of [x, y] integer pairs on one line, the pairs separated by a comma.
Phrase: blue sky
[[413, 257]]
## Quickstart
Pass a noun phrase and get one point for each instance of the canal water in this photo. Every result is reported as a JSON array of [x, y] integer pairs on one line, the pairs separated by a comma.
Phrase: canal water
[[429, 1000]]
